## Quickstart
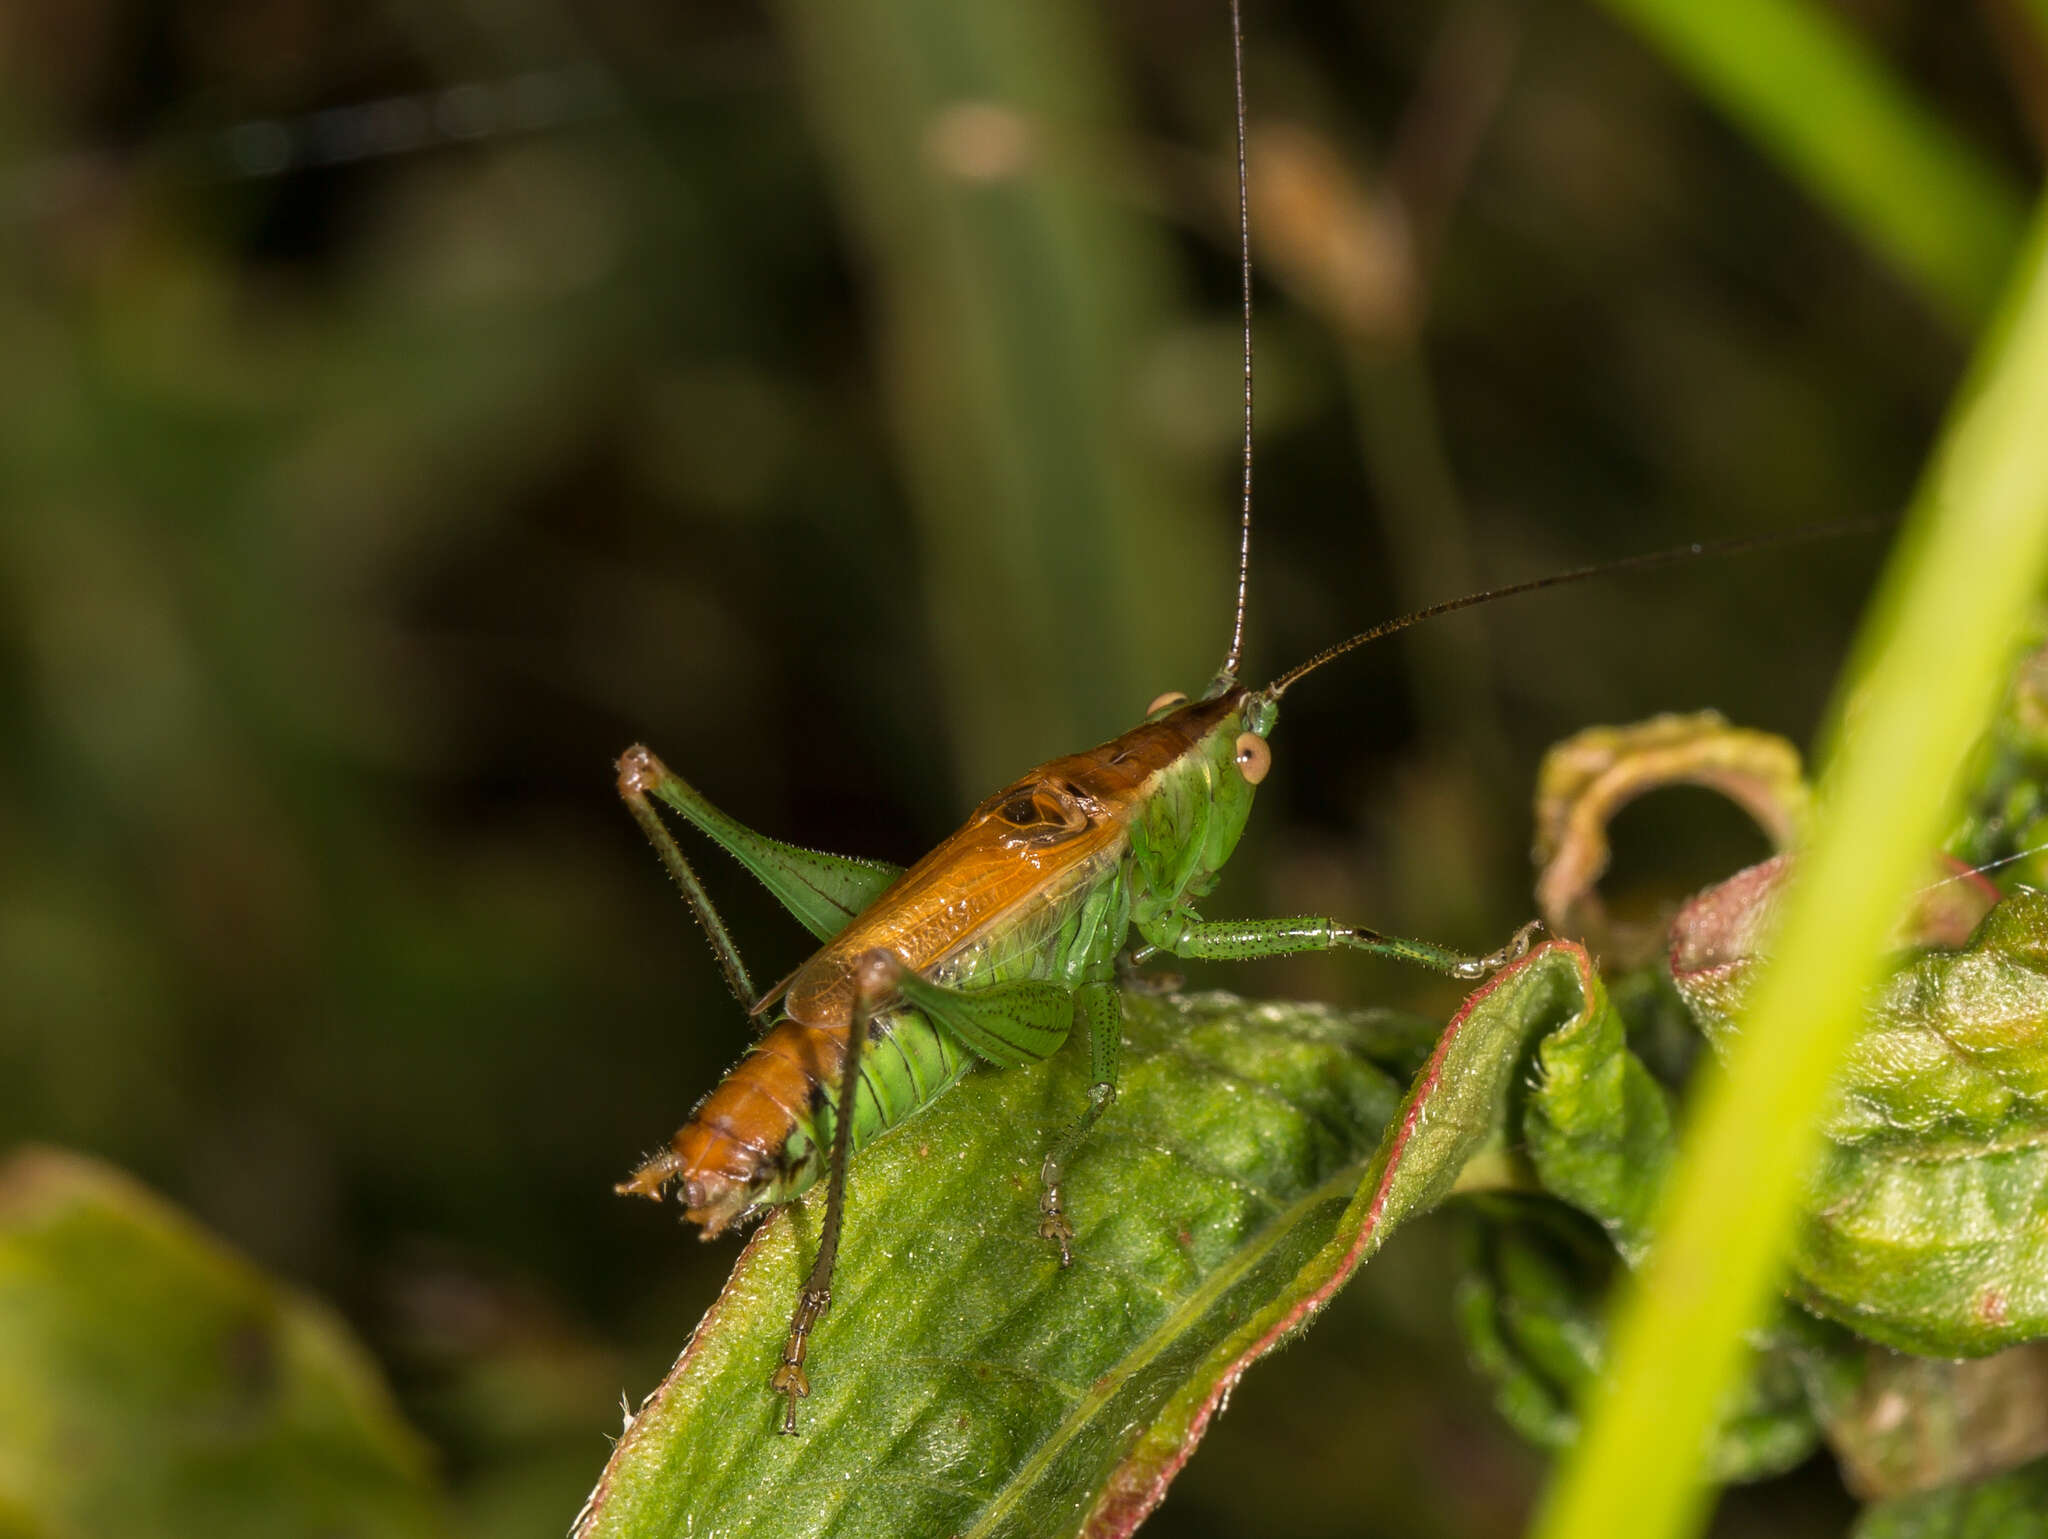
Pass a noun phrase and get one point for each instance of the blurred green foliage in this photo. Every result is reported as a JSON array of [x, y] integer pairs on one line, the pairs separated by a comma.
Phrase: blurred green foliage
[[151, 1384], [401, 412]]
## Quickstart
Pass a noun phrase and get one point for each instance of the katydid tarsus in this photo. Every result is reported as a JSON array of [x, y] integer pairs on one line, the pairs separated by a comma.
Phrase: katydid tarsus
[[1006, 938]]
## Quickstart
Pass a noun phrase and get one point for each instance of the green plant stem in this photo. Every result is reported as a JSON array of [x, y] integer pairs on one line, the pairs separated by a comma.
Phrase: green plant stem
[[1926, 679], [1821, 101]]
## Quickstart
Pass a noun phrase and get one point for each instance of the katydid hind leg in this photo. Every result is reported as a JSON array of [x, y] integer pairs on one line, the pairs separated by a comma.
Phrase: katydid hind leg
[[1097, 1005], [1024, 1020], [1187, 935], [875, 974], [641, 776], [822, 891]]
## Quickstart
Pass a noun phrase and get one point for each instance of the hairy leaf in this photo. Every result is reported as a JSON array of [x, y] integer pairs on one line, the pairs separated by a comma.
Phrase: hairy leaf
[[153, 1384], [1926, 1227], [964, 1384]]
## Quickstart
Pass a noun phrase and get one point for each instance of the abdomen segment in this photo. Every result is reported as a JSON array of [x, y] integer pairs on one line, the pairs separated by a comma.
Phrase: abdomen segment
[[763, 1135]]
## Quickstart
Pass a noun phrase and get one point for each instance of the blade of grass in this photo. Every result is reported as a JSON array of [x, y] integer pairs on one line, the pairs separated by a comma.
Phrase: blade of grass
[[1821, 101], [1925, 680]]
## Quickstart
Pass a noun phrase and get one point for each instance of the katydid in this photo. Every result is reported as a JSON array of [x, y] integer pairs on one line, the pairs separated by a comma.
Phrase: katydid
[[995, 947], [1004, 940]]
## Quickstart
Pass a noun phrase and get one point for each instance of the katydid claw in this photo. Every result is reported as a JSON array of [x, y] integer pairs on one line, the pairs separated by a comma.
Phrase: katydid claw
[[1054, 1226], [789, 1379], [1518, 946]]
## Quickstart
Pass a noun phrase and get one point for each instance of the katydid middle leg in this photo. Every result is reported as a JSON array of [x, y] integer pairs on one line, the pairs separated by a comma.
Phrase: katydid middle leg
[[1186, 934], [1025, 1021], [1097, 1004]]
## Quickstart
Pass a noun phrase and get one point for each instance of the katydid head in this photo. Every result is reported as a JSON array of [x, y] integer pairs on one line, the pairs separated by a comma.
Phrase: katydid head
[[1182, 782]]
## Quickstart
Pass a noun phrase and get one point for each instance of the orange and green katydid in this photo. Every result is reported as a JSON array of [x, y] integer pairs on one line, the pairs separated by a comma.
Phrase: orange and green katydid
[[994, 947], [1002, 941]]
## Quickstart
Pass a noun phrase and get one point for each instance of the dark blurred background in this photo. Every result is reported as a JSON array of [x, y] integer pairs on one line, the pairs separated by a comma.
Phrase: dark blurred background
[[403, 409]]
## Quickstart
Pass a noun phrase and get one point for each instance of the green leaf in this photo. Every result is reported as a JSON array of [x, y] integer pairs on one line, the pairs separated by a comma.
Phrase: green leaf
[[2004, 823], [1599, 1127], [963, 1384], [1598, 1131], [1531, 1308], [1926, 1225], [2009, 1506], [155, 1384], [1528, 1306]]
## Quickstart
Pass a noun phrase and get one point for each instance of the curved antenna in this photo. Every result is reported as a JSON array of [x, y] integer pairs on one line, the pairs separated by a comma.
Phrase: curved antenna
[[1654, 558], [1244, 243]]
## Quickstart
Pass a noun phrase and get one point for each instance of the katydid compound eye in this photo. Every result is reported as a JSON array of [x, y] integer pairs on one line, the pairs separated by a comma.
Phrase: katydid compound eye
[[1254, 758], [1166, 701]]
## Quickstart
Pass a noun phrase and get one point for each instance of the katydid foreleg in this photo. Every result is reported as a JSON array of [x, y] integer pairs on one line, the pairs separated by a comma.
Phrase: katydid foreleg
[[1015, 1023], [1185, 934]]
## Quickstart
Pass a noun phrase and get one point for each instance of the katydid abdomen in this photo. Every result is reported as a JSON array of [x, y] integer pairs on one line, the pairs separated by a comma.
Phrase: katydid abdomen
[[764, 1135]]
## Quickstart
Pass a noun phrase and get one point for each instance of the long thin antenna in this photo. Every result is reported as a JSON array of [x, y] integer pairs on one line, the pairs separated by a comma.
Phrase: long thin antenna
[[1579, 574], [1244, 239]]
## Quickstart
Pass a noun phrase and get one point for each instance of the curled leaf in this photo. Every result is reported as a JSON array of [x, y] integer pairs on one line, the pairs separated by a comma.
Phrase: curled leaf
[[1599, 1127], [1529, 1308], [1716, 942], [1599, 1133], [1591, 776]]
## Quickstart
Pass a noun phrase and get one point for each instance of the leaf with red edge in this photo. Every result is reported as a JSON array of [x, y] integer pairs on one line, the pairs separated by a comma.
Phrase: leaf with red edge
[[962, 1383]]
